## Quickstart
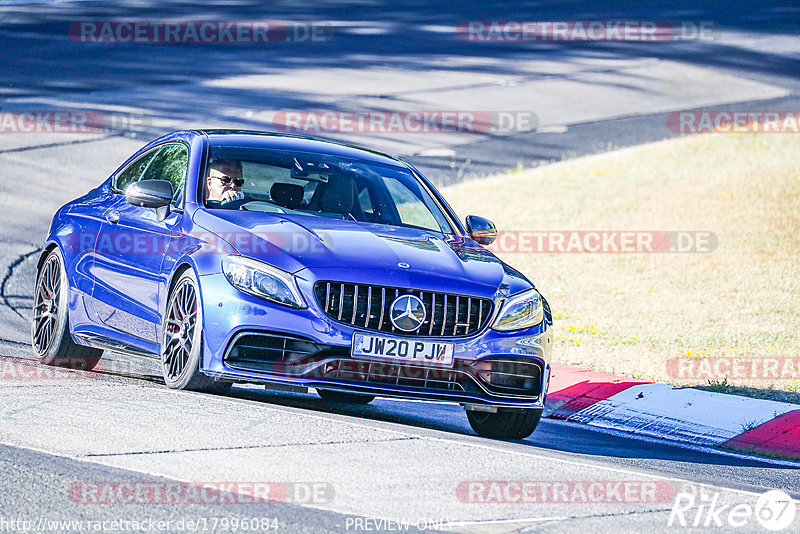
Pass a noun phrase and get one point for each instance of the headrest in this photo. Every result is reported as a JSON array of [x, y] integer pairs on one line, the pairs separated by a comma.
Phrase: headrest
[[287, 195], [339, 194]]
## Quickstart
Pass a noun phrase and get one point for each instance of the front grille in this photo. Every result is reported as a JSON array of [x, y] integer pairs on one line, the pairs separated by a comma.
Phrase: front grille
[[367, 307]]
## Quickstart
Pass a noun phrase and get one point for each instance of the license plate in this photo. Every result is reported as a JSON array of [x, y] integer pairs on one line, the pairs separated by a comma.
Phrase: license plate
[[408, 350]]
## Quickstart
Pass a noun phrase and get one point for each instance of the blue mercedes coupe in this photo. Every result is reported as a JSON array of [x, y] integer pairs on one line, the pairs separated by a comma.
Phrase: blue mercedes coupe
[[249, 257]]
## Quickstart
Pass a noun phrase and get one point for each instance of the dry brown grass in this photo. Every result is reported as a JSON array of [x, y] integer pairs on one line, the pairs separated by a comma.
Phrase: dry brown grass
[[630, 313]]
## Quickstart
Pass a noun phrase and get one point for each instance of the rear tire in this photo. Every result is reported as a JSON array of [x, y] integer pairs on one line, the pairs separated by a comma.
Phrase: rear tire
[[505, 424], [351, 398], [50, 334], [182, 340]]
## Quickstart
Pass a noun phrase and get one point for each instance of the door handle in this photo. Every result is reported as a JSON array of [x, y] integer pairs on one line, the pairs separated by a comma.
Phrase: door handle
[[112, 217]]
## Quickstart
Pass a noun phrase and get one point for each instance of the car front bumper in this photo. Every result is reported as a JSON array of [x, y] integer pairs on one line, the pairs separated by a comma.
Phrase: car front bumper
[[314, 351]]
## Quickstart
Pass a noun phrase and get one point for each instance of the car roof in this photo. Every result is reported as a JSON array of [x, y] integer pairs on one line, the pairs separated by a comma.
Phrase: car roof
[[257, 139]]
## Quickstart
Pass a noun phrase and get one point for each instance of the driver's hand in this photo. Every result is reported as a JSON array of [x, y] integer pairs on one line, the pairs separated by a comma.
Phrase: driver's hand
[[230, 195]]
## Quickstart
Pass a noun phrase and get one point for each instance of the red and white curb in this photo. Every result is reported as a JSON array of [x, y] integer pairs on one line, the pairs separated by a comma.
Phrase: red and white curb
[[672, 412]]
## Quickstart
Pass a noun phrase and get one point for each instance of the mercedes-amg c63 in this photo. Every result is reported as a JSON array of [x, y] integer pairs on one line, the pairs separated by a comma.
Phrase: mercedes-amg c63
[[250, 257]]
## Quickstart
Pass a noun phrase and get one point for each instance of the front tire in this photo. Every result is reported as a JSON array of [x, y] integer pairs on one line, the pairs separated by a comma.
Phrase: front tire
[[181, 339], [505, 424], [351, 398], [50, 335]]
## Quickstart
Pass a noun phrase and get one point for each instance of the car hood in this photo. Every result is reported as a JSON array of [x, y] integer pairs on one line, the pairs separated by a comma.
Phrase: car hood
[[361, 252]]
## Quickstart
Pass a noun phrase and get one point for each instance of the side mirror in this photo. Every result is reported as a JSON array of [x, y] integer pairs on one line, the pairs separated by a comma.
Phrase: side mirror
[[481, 230], [151, 194]]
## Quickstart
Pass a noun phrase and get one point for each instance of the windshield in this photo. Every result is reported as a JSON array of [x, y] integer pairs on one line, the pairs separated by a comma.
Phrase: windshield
[[303, 183]]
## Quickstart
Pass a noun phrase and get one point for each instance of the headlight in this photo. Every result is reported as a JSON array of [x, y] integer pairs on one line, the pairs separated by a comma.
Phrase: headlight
[[519, 311], [262, 280]]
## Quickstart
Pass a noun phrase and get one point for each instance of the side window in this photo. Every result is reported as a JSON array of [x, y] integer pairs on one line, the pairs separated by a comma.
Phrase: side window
[[132, 172], [170, 164], [367, 205]]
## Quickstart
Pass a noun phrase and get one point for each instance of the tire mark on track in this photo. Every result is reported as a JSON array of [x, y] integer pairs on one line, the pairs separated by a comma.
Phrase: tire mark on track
[[542, 520], [245, 447], [4, 340], [515, 78], [54, 145], [7, 276]]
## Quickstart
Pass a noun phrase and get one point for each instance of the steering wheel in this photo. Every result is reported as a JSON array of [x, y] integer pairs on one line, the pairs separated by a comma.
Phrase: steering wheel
[[232, 205], [237, 204]]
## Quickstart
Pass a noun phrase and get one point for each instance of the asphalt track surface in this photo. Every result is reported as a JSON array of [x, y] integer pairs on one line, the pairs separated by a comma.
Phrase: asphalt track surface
[[391, 459]]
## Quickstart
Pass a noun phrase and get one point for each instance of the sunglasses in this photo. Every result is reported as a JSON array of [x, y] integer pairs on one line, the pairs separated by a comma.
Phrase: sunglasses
[[225, 179]]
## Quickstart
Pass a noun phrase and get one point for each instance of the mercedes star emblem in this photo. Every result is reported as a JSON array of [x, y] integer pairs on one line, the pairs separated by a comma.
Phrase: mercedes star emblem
[[407, 313]]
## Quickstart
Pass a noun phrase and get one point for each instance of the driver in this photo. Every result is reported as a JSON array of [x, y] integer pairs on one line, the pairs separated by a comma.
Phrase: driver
[[224, 182]]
